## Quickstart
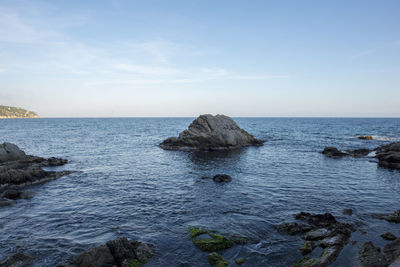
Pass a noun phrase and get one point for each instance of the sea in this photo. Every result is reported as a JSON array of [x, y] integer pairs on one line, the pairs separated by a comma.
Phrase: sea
[[124, 185]]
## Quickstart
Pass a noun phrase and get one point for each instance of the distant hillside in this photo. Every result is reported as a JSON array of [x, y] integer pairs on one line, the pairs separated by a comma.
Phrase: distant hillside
[[7, 112]]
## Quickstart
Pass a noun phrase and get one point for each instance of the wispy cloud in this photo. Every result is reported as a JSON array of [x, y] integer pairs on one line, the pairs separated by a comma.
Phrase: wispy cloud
[[377, 48], [148, 70]]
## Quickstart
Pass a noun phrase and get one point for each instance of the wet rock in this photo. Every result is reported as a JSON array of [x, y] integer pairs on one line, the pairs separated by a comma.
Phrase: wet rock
[[391, 217], [331, 234], [365, 137], [337, 240], [208, 133], [388, 236], [392, 250], [307, 247], [328, 255], [98, 256], [222, 178], [118, 252], [319, 220], [213, 242], [240, 261], [317, 234], [347, 211], [389, 156], [121, 249], [12, 194], [371, 256], [358, 153], [217, 260], [293, 228], [19, 169], [333, 152], [16, 260]]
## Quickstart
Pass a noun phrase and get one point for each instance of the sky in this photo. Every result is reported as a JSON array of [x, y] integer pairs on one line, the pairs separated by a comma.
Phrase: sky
[[123, 58]]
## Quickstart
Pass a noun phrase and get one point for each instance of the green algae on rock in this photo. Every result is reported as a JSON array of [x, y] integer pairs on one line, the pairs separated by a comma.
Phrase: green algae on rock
[[196, 232], [214, 243], [217, 260]]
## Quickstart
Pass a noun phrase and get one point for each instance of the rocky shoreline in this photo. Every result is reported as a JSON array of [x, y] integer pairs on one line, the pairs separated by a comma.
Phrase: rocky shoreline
[[388, 155]]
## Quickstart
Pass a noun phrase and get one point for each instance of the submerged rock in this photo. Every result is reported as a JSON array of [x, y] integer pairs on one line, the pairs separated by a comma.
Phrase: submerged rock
[[371, 256], [208, 133], [307, 247], [118, 252], [391, 217], [347, 211], [217, 260], [333, 152], [19, 169], [209, 240], [16, 260], [221, 178]]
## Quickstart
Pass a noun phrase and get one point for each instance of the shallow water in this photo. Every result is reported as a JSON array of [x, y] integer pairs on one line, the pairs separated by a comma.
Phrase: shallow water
[[125, 185]]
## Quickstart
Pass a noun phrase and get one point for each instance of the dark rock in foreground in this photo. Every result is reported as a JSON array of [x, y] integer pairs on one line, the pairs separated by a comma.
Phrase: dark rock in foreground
[[325, 231], [119, 252], [16, 260], [371, 256], [208, 133]]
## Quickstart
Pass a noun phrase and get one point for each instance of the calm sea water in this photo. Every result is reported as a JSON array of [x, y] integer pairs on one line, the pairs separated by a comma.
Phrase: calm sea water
[[125, 185]]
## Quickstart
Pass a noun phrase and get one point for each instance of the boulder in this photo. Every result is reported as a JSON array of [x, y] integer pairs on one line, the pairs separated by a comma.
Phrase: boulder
[[208, 133], [10, 152]]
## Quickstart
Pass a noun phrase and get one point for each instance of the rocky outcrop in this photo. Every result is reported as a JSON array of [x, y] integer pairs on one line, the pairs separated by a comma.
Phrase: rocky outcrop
[[119, 252], [208, 133], [18, 170], [321, 230], [389, 156]]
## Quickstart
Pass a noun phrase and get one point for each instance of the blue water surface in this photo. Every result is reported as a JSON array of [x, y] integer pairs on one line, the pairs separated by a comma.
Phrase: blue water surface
[[123, 184]]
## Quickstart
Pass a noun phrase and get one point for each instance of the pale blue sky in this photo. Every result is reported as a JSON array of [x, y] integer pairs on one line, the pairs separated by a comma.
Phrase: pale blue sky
[[185, 58]]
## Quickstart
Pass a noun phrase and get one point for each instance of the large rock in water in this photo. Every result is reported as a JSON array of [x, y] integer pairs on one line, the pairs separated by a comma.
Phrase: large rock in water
[[389, 156], [208, 132], [19, 169]]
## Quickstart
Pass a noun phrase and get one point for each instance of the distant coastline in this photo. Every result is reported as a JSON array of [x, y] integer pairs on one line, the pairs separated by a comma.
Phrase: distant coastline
[[8, 112]]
